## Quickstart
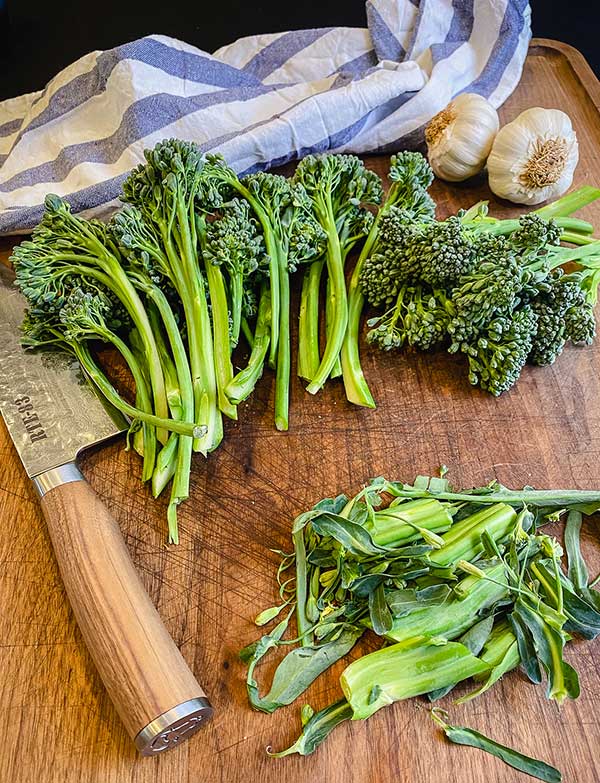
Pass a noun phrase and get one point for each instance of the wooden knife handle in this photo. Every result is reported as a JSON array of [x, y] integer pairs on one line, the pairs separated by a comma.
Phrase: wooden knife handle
[[149, 682]]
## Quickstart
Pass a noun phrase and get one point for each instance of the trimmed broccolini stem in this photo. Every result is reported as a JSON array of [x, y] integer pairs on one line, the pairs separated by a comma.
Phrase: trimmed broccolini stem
[[236, 291], [403, 670], [273, 251], [220, 331], [308, 328], [181, 468], [355, 384], [108, 390], [247, 332], [335, 268], [142, 394], [242, 385], [301, 589], [283, 370], [329, 320]]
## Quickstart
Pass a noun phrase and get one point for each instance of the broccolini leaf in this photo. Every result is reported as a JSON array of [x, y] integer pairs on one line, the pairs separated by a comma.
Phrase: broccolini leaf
[[461, 735], [381, 617], [317, 729], [300, 667]]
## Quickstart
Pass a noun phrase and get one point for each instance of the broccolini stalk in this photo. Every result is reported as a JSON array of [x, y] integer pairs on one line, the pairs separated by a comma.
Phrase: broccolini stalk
[[98, 378], [401, 523], [220, 178], [587, 501], [464, 539], [181, 466], [450, 619], [309, 356], [298, 239], [410, 176], [164, 190], [242, 384], [220, 321], [409, 668], [145, 264], [501, 653], [337, 186], [234, 243], [336, 372]]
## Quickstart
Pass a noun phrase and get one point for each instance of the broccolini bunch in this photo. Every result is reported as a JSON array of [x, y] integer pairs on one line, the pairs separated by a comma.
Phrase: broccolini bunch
[[195, 258], [492, 290]]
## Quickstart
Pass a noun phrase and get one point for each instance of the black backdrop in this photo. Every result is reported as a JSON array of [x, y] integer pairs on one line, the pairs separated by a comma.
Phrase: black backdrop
[[39, 37]]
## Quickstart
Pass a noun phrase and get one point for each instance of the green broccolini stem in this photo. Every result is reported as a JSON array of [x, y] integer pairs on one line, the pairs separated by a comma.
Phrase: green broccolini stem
[[301, 589], [569, 203], [221, 338], [220, 326], [335, 268], [236, 291], [181, 468], [272, 246], [120, 284], [104, 385], [247, 332], [463, 540], [534, 498], [403, 670], [283, 370], [142, 393], [397, 525], [242, 385], [451, 619], [329, 321], [165, 465], [355, 384], [308, 328], [190, 287]]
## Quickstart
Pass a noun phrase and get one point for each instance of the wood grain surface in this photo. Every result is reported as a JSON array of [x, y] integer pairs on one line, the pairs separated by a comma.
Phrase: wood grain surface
[[59, 723]]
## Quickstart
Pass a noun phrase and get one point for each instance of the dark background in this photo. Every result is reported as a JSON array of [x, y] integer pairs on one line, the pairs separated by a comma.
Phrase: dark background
[[39, 37]]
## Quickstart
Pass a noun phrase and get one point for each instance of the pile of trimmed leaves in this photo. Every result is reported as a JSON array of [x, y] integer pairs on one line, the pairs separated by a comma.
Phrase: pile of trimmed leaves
[[458, 585], [494, 290]]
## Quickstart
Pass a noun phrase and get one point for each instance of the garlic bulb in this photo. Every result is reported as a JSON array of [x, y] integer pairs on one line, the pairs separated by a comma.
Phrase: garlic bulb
[[460, 137], [534, 157]]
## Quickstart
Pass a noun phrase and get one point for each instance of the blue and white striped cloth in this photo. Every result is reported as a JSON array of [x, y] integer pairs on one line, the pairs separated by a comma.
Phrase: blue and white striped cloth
[[261, 101]]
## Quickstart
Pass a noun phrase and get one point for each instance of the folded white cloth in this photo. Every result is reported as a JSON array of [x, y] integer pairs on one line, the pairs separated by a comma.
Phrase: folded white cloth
[[261, 101]]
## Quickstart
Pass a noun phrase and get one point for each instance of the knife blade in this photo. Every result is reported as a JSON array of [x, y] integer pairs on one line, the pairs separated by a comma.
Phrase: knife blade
[[52, 413]]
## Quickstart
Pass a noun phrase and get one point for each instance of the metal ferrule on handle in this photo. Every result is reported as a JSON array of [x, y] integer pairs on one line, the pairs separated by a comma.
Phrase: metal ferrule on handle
[[56, 477]]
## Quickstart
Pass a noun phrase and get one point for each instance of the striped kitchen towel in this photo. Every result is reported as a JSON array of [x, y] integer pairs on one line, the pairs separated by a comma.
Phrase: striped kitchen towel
[[261, 101]]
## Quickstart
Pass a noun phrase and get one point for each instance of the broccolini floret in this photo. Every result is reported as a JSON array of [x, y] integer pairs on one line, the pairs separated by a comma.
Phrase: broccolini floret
[[419, 318], [235, 243], [503, 303], [499, 352]]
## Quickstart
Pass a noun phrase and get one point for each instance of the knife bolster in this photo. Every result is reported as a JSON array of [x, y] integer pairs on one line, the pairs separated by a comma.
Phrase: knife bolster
[[56, 477]]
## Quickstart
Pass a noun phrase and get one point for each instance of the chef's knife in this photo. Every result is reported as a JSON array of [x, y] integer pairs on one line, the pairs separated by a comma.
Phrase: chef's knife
[[52, 414]]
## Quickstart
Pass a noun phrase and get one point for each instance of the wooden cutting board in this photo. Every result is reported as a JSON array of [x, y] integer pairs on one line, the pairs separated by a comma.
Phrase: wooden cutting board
[[59, 723]]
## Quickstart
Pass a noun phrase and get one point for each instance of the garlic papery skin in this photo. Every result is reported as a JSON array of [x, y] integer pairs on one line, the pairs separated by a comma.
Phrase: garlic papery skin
[[534, 157], [459, 138]]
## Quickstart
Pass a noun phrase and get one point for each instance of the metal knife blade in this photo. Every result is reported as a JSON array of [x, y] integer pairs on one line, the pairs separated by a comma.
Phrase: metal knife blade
[[51, 411]]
